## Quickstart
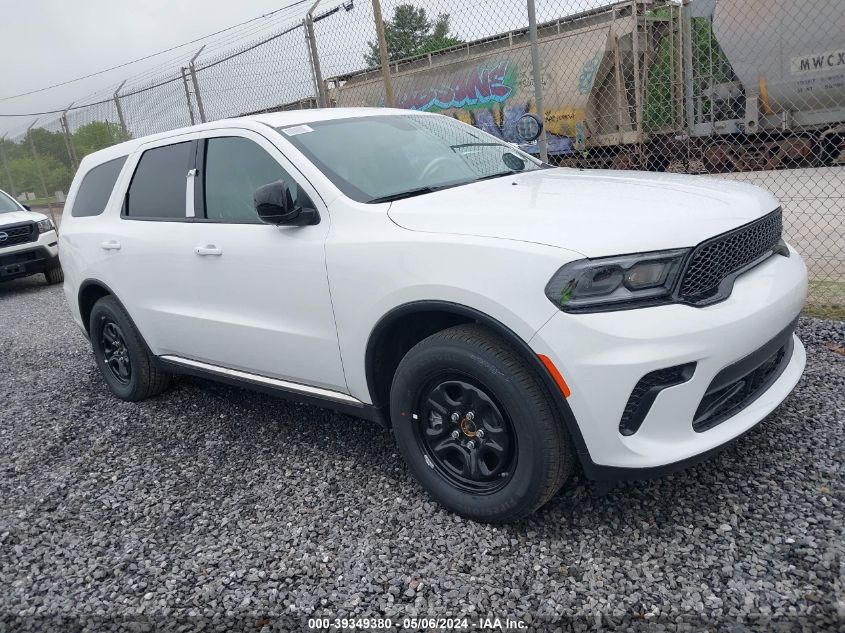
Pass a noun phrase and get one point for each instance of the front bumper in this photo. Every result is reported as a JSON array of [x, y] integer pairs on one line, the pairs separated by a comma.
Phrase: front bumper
[[29, 258], [603, 356]]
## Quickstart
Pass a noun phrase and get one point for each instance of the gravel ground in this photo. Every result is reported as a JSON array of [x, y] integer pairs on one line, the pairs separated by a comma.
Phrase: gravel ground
[[212, 508]]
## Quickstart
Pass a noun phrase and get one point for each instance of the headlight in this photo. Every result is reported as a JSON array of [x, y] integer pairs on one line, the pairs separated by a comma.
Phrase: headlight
[[613, 283], [45, 225]]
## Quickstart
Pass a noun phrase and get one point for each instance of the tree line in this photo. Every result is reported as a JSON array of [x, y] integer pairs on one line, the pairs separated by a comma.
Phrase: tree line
[[52, 156]]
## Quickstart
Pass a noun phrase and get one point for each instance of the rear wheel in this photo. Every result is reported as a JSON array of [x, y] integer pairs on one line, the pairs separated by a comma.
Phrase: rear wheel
[[477, 426], [127, 365]]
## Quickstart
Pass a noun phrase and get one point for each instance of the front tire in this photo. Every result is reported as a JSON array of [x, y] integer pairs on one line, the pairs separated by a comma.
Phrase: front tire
[[128, 367], [477, 427], [54, 275]]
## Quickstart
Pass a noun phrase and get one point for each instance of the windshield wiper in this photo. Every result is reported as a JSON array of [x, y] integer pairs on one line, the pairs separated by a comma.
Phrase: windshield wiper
[[421, 190], [404, 194], [460, 145], [499, 175]]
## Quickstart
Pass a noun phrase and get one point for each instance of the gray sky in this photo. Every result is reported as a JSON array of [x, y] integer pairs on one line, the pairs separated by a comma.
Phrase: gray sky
[[45, 42]]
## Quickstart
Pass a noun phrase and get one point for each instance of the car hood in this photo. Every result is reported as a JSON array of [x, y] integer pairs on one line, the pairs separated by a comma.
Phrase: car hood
[[593, 212], [14, 217]]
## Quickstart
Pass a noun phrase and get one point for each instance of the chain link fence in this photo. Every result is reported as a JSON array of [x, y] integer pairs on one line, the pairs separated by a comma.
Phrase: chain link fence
[[748, 90]]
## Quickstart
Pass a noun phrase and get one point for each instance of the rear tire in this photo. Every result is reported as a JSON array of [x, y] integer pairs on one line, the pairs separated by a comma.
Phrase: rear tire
[[54, 275], [506, 459], [128, 367]]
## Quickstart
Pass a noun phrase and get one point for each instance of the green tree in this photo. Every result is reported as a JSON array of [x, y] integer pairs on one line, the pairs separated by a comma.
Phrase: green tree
[[10, 151], [97, 135], [48, 144], [411, 33], [53, 158], [25, 174]]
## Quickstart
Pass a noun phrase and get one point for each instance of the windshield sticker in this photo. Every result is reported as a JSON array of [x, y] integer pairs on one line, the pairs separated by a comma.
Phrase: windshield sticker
[[297, 129]]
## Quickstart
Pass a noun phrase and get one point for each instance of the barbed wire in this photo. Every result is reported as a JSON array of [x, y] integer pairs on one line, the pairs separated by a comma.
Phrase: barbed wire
[[146, 57]]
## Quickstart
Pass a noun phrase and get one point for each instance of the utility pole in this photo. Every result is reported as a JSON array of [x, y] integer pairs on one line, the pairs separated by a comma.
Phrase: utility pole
[[71, 150], [6, 166], [193, 70], [538, 81], [119, 109], [316, 72], [188, 96], [389, 97]]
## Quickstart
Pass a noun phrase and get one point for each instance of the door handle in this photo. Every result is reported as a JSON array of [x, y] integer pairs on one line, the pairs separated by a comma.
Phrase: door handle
[[208, 250], [111, 245]]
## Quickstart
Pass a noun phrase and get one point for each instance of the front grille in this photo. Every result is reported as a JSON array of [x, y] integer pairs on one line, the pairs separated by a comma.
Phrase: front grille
[[720, 404], [716, 259], [18, 234], [21, 257], [645, 392]]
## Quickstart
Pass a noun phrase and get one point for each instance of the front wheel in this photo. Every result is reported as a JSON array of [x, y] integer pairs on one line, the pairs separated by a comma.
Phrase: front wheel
[[54, 275], [477, 427]]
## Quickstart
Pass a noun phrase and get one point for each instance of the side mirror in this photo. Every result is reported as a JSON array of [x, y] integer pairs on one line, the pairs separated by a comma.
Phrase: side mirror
[[27, 207], [274, 205]]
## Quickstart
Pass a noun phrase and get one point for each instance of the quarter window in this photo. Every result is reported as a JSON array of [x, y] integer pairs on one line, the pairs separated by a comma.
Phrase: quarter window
[[96, 188], [234, 168], [158, 187]]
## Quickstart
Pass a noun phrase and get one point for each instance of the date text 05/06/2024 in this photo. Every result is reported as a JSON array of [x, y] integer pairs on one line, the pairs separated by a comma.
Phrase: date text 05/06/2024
[[413, 624]]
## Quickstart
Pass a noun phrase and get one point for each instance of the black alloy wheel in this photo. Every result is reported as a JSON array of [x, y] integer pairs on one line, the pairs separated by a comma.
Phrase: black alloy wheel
[[477, 426], [115, 353], [465, 434]]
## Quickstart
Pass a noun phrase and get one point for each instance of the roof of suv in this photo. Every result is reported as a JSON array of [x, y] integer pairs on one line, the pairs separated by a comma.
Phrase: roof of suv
[[273, 119]]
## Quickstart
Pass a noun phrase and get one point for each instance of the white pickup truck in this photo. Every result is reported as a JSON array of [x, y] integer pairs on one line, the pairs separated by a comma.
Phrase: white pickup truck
[[29, 243]]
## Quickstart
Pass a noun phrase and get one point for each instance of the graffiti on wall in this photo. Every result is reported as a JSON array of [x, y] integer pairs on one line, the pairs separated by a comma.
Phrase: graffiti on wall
[[477, 89], [483, 97], [588, 73]]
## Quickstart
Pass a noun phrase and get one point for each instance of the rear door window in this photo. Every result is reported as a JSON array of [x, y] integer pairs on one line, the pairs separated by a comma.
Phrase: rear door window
[[96, 188], [158, 187]]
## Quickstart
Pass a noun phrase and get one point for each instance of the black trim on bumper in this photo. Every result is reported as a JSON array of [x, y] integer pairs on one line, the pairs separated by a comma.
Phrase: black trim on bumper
[[734, 372], [738, 385], [645, 392], [26, 262]]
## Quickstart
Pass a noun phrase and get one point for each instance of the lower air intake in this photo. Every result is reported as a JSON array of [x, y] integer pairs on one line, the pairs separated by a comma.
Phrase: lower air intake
[[645, 392]]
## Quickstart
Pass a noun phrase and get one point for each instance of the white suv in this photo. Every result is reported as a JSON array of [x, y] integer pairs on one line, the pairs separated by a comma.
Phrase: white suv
[[28, 243], [506, 319]]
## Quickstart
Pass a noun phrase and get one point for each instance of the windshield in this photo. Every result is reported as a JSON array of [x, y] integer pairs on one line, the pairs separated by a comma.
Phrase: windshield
[[388, 157], [7, 205]]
